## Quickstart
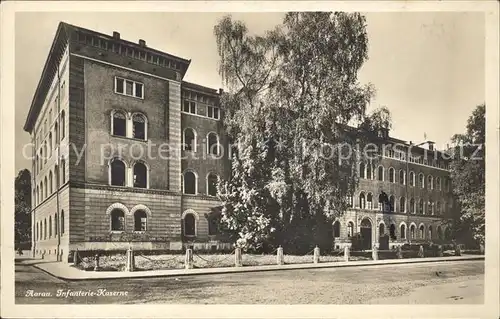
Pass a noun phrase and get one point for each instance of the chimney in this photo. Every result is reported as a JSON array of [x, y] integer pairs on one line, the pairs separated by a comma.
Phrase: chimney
[[142, 43], [221, 91], [116, 35]]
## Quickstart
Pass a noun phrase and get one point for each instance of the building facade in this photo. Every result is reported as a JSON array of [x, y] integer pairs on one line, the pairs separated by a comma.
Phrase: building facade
[[127, 154]]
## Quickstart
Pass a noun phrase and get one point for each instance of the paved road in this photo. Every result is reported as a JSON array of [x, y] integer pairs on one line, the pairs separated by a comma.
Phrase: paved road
[[430, 283]]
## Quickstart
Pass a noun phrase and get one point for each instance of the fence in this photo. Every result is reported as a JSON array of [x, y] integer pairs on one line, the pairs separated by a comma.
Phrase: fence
[[137, 260]]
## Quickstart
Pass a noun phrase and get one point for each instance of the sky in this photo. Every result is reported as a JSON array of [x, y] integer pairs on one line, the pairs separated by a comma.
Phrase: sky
[[427, 67]]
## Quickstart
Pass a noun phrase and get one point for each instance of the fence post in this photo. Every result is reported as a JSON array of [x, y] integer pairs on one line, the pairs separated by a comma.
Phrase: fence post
[[96, 267], [279, 256], [130, 260], [75, 257], [421, 251], [188, 260], [399, 252], [458, 250], [237, 257], [375, 252], [346, 253], [316, 255]]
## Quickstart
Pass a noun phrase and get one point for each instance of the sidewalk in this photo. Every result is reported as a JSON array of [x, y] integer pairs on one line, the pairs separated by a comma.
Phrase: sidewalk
[[67, 272]]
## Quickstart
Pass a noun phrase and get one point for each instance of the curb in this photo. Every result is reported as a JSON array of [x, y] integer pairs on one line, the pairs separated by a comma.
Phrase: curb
[[231, 270]]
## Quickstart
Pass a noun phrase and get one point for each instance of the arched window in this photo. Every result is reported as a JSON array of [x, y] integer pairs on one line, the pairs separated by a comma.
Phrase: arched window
[[189, 139], [50, 226], [139, 126], [336, 229], [412, 231], [421, 232], [212, 184], [430, 207], [117, 173], [45, 228], [37, 233], [402, 204], [430, 182], [56, 132], [403, 231], [392, 231], [369, 171], [118, 123], [189, 225], [381, 229], [362, 202], [62, 222], [51, 188], [41, 191], [438, 208], [63, 125], [213, 144], [380, 173], [349, 200], [438, 183], [412, 206], [45, 187], [421, 206], [56, 223], [429, 232], [402, 177], [140, 175], [37, 163], [38, 195], [391, 204], [392, 177], [117, 220], [189, 183], [362, 168], [350, 229], [369, 200], [140, 220], [63, 171], [412, 179], [50, 145], [45, 151], [421, 180]]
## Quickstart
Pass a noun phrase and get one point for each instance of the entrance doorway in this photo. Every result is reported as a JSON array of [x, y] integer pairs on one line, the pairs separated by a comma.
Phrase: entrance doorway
[[366, 233]]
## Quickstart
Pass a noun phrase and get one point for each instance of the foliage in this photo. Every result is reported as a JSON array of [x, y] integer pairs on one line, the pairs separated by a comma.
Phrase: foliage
[[468, 179], [22, 208], [291, 94]]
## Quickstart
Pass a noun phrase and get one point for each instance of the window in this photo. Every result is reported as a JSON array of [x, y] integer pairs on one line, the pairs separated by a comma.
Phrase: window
[[402, 204], [430, 207], [403, 231], [350, 229], [392, 177], [45, 187], [129, 88], [421, 232], [56, 132], [440, 233], [429, 232], [349, 200], [62, 222], [421, 206], [213, 144], [140, 220], [117, 220], [55, 223], [412, 206], [189, 183], [63, 171], [362, 202], [37, 195], [213, 225], [140, 175], [119, 123], [412, 179], [189, 140], [45, 228], [117, 173], [392, 231], [421, 180], [362, 170], [51, 183], [412, 231], [46, 152], [212, 184], [189, 107], [213, 112], [438, 208], [369, 200], [381, 229], [336, 229], [430, 182], [446, 185], [63, 125], [50, 145], [391, 204], [402, 177], [369, 171], [139, 126], [50, 226], [41, 191], [37, 233], [189, 225], [380, 173]]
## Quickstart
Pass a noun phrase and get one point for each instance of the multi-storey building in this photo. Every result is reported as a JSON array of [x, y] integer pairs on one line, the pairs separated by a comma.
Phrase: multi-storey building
[[127, 154]]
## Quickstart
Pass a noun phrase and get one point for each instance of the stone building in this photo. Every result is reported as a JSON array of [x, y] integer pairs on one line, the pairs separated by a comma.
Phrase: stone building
[[127, 153]]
